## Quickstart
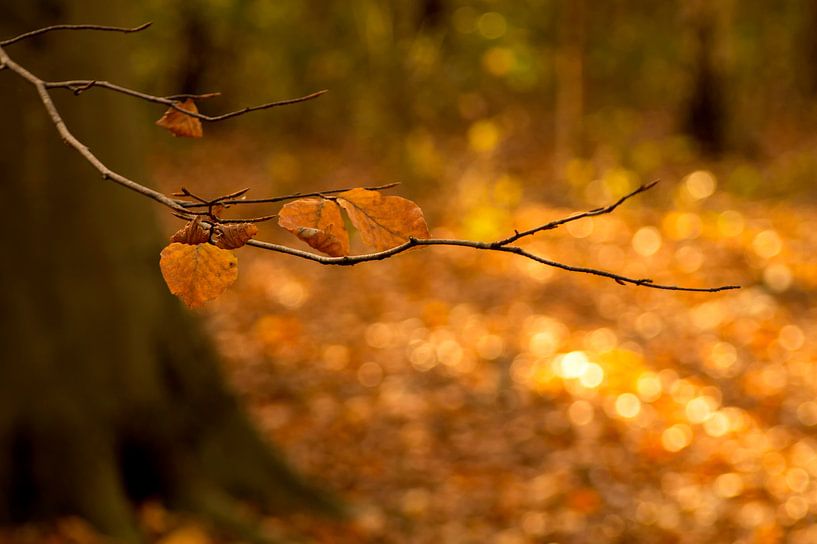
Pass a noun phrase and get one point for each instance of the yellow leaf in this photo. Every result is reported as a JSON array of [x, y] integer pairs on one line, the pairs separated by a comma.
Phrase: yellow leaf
[[383, 221], [197, 273], [317, 222], [181, 124]]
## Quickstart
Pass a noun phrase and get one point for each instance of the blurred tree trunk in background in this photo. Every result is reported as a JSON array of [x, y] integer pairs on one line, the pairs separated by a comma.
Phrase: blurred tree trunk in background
[[109, 392], [809, 40], [569, 68], [197, 50], [705, 114]]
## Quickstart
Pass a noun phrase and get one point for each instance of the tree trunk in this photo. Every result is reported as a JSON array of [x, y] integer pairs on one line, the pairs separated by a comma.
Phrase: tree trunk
[[109, 392], [705, 115], [569, 69]]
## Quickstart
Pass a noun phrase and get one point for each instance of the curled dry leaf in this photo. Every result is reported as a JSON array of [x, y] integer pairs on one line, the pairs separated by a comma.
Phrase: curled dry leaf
[[216, 210], [383, 221], [197, 273], [317, 222], [180, 124], [233, 236], [192, 233]]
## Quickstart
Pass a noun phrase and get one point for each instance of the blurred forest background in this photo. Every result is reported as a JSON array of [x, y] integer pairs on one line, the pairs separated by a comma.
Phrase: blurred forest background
[[459, 397]]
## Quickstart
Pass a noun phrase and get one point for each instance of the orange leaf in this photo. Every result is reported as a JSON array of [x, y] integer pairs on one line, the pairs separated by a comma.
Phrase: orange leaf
[[180, 124], [383, 221], [197, 273], [317, 222], [235, 235], [192, 233]]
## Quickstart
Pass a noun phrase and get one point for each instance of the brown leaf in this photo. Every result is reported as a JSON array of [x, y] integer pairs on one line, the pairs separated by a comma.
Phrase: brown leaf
[[235, 235], [383, 221], [216, 210], [317, 222], [197, 273], [192, 233], [180, 124]]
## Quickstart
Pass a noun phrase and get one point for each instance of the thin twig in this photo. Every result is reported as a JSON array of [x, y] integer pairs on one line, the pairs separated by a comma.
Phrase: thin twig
[[186, 192], [261, 107], [592, 213], [73, 27], [286, 197], [80, 85], [250, 219], [230, 196], [203, 96], [351, 260]]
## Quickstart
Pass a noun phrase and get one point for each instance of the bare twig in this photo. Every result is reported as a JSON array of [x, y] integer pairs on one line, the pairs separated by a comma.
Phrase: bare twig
[[220, 201], [351, 260], [183, 208], [592, 213], [73, 27], [261, 107], [293, 196], [81, 85], [203, 96], [250, 219]]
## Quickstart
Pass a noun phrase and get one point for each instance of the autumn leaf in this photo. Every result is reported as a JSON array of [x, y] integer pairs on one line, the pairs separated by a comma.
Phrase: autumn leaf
[[197, 273], [383, 221], [180, 124], [317, 222], [192, 233], [235, 235]]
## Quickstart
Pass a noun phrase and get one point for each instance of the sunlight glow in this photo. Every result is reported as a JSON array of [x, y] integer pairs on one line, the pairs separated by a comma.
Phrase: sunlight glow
[[483, 136], [628, 406], [572, 365], [701, 184], [728, 485], [592, 377], [647, 241], [767, 244], [648, 386], [700, 409], [677, 437], [730, 223]]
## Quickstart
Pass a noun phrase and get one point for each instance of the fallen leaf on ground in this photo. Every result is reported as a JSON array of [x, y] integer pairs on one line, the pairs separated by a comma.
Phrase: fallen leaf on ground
[[383, 221], [197, 273], [317, 222], [181, 124]]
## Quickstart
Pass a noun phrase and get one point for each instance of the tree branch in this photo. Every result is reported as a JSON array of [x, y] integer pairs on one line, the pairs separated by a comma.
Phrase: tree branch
[[293, 196], [81, 85], [591, 213], [182, 208], [39, 31], [72, 141], [351, 260]]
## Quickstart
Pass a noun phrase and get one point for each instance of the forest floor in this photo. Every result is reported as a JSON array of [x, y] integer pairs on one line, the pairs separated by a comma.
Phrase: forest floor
[[458, 396]]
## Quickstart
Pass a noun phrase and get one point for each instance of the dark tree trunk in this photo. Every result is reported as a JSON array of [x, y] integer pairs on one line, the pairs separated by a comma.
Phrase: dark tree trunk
[[809, 47], [705, 116], [109, 392]]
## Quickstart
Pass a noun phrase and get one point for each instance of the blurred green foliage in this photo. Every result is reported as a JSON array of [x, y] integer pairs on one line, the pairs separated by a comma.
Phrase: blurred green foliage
[[406, 76]]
